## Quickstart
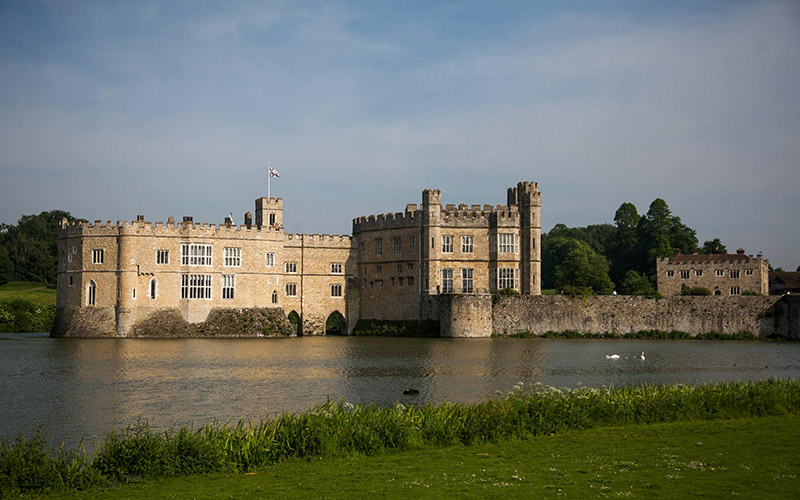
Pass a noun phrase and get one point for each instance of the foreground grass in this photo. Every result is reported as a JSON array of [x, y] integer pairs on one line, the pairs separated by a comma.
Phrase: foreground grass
[[30, 291], [336, 430], [744, 458]]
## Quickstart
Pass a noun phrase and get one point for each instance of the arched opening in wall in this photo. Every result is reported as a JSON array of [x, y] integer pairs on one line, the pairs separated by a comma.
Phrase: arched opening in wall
[[91, 293], [274, 296], [335, 324], [717, 292], [294, 319], [152, 289]]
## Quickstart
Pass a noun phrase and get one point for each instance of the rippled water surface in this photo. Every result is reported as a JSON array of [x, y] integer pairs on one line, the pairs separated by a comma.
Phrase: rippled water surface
[[85, 387]]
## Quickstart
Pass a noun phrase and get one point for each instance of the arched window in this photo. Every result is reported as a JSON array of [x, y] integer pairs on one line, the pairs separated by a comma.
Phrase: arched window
[[274, 296], [91, 293], [152, 289]]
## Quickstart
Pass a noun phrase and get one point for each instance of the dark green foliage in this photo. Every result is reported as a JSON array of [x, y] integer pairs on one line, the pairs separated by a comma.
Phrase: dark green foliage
[[396, 328], [579, 268], [31, 248], [334, 325], [694, 290], [23, 316], [636, 284], [750, 292], [714, 246]]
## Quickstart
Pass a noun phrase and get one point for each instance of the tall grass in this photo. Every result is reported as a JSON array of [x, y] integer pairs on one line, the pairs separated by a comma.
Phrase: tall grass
[[339, 428]]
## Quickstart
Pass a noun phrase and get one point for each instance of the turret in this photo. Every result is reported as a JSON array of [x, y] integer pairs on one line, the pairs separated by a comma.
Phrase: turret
[[529, 204], [269, 213], [430, 240]]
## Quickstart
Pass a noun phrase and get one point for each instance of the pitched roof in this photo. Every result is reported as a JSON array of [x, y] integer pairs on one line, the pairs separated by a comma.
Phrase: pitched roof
[[707, 258], [789, 279]]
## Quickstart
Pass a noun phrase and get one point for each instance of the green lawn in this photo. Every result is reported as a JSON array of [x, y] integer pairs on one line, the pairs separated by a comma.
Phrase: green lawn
[[747, 458], [33, 292]]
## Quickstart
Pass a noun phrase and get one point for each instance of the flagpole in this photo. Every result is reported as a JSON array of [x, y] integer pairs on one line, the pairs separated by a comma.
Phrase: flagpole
[[269, 179]]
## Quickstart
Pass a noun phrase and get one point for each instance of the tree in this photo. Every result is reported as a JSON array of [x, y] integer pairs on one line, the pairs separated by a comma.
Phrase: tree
[[713, 246], [32, 247], [623, 249], [636, 284], [582, 267], [660, 233]]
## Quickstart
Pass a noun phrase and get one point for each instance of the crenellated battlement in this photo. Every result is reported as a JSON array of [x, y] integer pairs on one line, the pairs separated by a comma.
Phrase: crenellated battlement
[[160, 228], [407, 219]]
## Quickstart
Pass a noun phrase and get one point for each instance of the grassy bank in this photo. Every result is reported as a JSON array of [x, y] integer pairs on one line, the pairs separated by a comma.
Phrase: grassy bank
[[35, 293], [340, 429], [745, 458]]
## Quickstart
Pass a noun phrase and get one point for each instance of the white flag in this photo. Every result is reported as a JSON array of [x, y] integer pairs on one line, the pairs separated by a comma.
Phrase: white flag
[[273, 172]]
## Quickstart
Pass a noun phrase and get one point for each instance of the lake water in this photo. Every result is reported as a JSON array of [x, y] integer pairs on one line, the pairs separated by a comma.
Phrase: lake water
[[86, 387]]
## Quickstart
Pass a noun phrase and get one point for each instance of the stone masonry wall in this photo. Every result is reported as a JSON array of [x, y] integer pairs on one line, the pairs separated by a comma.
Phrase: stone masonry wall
[[763, 316]]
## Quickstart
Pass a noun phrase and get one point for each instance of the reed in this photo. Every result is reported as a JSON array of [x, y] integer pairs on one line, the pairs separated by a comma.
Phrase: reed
[[340, 428]]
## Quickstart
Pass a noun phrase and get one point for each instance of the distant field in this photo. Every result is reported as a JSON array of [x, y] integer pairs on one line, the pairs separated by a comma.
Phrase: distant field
[[34, 292]]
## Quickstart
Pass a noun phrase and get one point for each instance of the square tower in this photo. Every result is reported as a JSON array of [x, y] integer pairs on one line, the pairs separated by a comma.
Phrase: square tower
[[269, 213]]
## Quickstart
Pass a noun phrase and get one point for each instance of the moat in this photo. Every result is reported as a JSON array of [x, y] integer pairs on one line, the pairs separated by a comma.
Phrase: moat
[[77, 387]]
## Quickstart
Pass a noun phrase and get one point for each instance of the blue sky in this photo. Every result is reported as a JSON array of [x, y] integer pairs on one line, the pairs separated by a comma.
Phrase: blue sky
[[113, 109]]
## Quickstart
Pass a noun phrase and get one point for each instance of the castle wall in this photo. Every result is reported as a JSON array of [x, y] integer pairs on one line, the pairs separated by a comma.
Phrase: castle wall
[[764, 316]]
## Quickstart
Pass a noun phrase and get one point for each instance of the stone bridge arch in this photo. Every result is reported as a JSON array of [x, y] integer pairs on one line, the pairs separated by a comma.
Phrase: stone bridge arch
[[336, 324]]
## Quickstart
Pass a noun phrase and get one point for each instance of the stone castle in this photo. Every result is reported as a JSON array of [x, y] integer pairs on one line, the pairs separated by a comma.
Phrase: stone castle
[[114, 278]]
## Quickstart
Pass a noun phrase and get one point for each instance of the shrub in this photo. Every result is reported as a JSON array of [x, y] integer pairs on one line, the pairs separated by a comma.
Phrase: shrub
[[694, 290]]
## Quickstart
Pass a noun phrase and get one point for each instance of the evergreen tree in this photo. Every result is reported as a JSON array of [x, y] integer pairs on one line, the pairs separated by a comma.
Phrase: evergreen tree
[[582, 267], [713, 246]]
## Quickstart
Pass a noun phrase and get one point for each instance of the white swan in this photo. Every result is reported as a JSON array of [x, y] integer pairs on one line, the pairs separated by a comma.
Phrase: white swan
[[613, 356], [642, 356]]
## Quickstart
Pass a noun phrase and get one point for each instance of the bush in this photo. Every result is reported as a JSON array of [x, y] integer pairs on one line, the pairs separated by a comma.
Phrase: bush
[[694, 290], [24, 316]]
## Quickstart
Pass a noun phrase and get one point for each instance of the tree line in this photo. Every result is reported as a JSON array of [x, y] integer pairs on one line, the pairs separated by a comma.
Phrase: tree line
[[29, 250], [601, 258]]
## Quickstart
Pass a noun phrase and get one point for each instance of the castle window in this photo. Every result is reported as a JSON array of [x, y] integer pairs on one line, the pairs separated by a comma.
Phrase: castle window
[[466, 281], [291, 267], [133, 294], [378, 269], [70, 281], [400, 281], [195, 255], [399, 268], [698, 272], [232, 257], [412, 244], [466, 244], [162, 257], [271, 219], [98, 256], [274, 297], [91, 293], [733, 273], [195, 286], [69, 257], [379, 284], [410, 280], [378, 246], [447, 281], [392, 280], [670, 274], [684, 275], [336, 290], [228, 285], [506, 278], [336, 268], [506, 243], [748, 272], [269, 259], [397, 245], [152, 289], [291, 289], [447, 244], [410, 265], [735, 290], [720, 273]]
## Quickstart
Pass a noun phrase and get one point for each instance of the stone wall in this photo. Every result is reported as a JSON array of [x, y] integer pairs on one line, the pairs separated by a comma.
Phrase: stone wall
[[763, 316], [465, 315]]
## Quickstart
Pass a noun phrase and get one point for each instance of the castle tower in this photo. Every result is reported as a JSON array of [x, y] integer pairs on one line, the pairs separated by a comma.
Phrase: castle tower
[[126, 279], [430, 240], [269, 213], [529, 204]]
